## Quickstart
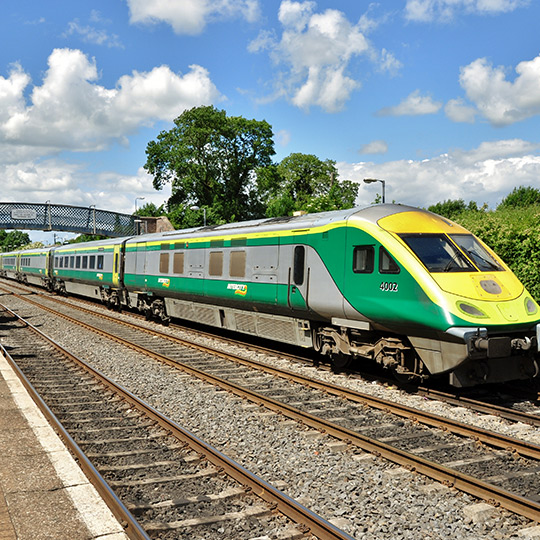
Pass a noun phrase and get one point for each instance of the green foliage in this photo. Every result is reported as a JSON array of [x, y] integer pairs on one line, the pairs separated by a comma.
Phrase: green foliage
[[32, 245], [514, 234], [151, 210], [13, 240], [211, 161], [521, 197], [451, 209], [304, 182]]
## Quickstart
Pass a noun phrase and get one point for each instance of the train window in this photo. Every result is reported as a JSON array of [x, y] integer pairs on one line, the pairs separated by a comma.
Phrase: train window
[[92, 262], [241, 241], [476, 252], [237, 264], [164, 263], [215, 267], [387, 265], [72, 261], [85, 261], [56, 262], [363, 259], [60, 262], [437, 253], [78, 261], [100, 262], [165, 246], [298, 264], [179, 245], [178, 263]]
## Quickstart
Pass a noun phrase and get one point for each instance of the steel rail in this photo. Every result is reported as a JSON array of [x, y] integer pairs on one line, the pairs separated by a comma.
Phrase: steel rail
[[478, 488], [122, 514], [308, 520], [480, 406], [491, 438]]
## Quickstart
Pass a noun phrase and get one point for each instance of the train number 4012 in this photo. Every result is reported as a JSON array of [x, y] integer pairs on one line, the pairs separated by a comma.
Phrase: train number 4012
[[389, 286]]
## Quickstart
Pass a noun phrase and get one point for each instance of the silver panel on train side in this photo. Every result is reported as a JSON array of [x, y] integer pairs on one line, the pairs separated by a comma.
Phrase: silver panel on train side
[[285, 329]]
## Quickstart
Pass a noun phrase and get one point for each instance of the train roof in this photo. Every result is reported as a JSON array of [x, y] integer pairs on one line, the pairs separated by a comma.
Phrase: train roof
[[306, 221], [370, 213]]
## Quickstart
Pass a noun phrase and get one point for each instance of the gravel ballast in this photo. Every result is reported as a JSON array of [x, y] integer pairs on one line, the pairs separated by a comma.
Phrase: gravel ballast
[[366, 496]]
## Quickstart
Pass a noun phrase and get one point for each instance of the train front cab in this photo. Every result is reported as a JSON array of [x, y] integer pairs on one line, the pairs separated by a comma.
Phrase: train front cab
[[485, 324]]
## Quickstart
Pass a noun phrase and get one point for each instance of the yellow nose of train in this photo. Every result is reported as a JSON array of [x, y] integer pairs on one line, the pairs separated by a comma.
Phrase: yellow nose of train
[[465, 277], [486, 325]]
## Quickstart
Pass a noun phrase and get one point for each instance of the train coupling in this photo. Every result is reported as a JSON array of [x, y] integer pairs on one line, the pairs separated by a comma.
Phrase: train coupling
[[478, 342]]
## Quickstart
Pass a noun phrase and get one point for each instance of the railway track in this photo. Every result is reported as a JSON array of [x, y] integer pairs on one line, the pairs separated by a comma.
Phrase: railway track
[[373, 425], [144, 464], [529, 413]]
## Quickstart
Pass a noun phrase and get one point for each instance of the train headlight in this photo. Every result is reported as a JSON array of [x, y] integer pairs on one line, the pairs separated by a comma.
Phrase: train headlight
[[530, 306], [471, 310]]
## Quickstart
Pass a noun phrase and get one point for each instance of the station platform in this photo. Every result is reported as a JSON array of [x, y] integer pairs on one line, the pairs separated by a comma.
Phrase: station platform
[[44, 495]]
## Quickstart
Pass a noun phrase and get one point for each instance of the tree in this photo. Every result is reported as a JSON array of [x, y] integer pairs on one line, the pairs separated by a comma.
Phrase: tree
[[451, 209], [13, 240], [211, 160], [304, 182], [151, 210], [521, 197]]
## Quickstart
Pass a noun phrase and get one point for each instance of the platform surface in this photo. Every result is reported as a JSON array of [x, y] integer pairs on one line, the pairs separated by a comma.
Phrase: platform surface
[[44, 495]]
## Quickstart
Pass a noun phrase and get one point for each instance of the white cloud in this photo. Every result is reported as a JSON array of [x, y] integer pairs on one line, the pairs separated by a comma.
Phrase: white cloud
[[458, 111], [446, 10], [317, 49], [283, 137], [374, 147], [485, 174], [190, 16], [499, 100], [70, 110], [69, 183], [91, 34], [388, 62], [413, 105]]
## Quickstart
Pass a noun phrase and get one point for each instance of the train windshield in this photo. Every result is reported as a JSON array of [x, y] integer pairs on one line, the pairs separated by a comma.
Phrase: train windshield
[[477, 253], [437, 253]]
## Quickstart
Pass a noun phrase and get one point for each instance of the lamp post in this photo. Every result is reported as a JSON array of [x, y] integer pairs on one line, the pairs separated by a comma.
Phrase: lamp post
[[48, 211], [137, 199], [93, 207], [195, 207], [371, 180]]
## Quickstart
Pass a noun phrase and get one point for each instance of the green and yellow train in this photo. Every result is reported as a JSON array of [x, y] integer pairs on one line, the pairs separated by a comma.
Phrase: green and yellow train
[[393, 284]]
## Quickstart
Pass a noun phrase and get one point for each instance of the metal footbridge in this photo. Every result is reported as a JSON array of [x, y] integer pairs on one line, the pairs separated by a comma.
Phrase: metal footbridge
[[62, 217]]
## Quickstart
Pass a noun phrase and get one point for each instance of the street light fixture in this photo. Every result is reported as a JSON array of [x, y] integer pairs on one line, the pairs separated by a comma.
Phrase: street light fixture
[[371, 180], [195, 207], [137, 199]]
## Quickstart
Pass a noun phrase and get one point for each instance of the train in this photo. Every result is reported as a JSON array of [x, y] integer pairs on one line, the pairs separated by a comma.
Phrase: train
[[392, 284]]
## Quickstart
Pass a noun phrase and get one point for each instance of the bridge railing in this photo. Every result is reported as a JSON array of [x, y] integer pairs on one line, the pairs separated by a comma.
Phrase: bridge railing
[[63, 217]]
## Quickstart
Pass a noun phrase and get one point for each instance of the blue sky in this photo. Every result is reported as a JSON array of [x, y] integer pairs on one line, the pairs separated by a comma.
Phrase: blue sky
[[440, 98]]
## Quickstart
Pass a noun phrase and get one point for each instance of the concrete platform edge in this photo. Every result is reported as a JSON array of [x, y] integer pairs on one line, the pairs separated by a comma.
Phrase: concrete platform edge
[[91, 508]]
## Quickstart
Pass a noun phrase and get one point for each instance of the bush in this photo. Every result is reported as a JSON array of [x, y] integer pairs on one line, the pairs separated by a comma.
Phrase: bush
[[514, 234]]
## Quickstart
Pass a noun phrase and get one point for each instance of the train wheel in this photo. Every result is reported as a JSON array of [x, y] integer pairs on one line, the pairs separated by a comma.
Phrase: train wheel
[[409, 371], [340, 361]]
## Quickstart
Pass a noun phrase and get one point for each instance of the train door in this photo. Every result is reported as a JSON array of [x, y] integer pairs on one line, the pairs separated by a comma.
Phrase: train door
[[298, 279], [116, 265], [49, 257], [362, 278], [140, 265]]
